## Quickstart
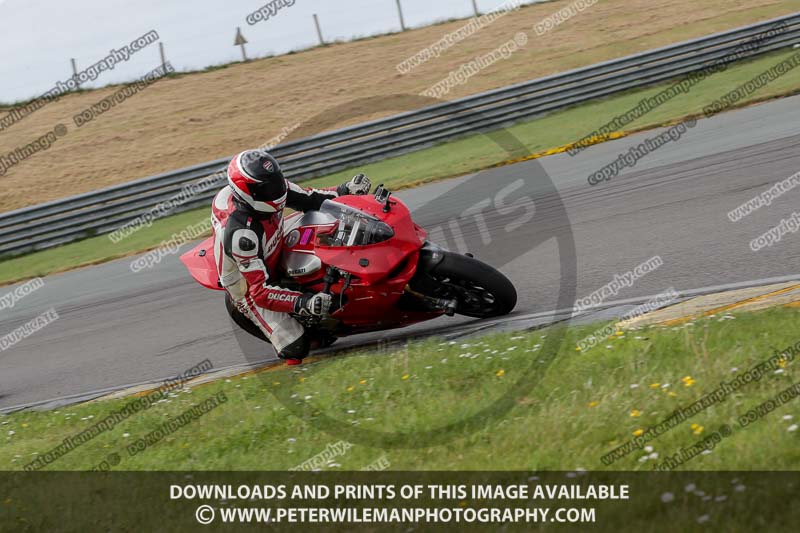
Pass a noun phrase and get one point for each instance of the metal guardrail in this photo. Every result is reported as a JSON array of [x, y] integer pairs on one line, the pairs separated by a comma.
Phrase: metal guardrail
[[105, 210]]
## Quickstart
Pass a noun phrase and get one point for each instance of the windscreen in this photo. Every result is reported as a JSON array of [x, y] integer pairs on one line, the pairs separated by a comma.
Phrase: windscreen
[[354, 228]]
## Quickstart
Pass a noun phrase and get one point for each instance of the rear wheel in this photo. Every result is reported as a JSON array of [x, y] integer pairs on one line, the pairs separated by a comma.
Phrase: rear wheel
[[480, 290]]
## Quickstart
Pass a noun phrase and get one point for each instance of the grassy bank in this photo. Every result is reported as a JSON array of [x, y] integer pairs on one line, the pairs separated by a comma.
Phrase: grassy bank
[[191, 118], [462, 156], [575, 408]]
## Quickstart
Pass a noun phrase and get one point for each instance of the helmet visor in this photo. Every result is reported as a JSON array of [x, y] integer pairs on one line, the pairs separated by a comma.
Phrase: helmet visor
[[269, 190]]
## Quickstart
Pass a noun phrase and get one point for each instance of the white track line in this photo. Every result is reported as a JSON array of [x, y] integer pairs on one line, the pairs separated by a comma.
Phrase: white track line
[[641, 299]]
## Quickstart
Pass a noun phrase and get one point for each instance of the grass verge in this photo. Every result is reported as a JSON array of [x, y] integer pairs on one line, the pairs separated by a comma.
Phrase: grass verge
[[458, 157], [583, 406]]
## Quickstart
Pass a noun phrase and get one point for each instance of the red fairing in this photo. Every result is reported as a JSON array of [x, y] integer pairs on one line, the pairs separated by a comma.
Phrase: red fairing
[[383, 257], [201, 264], [380, 272]]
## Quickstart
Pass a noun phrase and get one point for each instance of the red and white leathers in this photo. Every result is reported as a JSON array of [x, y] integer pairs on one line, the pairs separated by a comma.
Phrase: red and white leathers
[[248, 245]]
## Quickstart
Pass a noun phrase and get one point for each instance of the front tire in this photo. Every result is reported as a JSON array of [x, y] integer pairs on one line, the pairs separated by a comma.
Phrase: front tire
[[480, 289]]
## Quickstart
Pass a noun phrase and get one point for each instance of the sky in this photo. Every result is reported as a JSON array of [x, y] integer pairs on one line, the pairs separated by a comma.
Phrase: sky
[[40, 36]]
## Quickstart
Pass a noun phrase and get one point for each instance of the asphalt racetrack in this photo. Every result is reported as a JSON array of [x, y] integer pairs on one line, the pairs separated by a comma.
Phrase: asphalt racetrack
[[118, 328]]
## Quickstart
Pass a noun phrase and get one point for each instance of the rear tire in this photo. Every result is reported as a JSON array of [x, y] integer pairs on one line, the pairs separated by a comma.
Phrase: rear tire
[[481, 290]]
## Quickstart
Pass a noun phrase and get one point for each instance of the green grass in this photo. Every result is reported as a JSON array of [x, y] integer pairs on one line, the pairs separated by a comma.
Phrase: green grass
[[458, 157], [574, 408], [577, 408]]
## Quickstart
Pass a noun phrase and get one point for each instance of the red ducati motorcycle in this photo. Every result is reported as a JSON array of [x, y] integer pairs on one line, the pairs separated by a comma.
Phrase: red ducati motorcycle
[[368, 253]]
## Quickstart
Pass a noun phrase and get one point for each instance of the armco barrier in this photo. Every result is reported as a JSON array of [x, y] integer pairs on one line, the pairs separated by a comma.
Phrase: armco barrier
[[100, 211]]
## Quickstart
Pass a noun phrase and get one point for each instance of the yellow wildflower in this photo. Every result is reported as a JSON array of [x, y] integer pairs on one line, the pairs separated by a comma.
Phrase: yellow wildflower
[[500, 373], [638, 432], [593, 404], [635, 413]]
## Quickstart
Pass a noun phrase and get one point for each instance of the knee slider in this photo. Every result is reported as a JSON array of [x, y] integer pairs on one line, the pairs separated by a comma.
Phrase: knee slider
[[297, 350]]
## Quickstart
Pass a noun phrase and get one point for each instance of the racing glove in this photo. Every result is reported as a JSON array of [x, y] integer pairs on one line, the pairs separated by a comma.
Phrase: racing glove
[[309, 304], [360, 184]]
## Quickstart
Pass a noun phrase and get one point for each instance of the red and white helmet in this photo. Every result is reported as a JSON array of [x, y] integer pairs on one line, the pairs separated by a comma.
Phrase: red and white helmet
[[256, 179]]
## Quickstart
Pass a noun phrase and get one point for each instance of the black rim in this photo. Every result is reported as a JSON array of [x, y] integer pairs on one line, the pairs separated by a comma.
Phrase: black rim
[[472, 298]]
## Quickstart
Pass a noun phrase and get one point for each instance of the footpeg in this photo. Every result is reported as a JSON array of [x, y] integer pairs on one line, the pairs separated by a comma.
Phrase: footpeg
[[448, 306]]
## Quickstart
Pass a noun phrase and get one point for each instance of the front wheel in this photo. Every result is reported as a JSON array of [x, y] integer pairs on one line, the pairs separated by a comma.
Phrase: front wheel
[[480, 290]]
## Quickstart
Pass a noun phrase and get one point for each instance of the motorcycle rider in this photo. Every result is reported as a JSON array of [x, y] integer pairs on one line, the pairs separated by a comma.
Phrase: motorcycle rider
[[247, 217]]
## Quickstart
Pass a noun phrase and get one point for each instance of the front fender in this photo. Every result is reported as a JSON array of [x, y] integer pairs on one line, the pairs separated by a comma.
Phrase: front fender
[[430, 255]]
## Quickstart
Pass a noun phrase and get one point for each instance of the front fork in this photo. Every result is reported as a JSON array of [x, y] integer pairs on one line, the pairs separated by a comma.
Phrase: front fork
[[430, 255]]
